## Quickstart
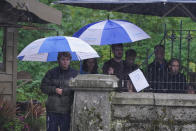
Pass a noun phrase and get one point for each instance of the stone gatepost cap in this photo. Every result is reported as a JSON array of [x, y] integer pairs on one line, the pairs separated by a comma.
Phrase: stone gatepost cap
[[94, 81]]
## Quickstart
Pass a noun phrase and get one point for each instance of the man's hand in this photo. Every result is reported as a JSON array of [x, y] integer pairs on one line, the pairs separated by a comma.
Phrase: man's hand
[[129, 86], [59, 91], [110, 71]]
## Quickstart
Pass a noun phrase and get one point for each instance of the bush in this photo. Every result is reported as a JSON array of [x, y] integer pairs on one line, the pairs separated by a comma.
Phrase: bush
[[8, 120], [32, 118]]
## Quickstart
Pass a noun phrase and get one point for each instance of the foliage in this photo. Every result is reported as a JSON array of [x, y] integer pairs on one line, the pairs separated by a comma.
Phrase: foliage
[[32, 119], [7, 111], [8, 120], [14, 125], [30, 91]]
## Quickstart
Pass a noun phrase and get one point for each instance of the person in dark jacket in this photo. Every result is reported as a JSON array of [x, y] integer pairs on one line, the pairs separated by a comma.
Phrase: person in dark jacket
[[115, 65], [129, 66], [157, 71], [60, 96], [176, 81], [89, 66]]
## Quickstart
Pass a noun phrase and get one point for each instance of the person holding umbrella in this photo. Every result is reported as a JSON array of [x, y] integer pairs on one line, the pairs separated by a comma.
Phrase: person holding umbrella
[[115, 65], [112, 32], [60, 96], [63, 49]]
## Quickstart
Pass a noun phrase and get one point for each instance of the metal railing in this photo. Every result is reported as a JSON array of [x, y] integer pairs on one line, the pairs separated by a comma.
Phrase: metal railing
[[178, 44]]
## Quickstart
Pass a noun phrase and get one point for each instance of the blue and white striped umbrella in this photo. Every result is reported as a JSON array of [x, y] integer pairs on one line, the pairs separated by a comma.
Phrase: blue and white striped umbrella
[[109, 32], [46, 49]]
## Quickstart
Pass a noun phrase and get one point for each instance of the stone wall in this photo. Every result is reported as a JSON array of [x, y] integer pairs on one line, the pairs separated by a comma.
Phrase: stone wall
[[98, 107], [150, 111]]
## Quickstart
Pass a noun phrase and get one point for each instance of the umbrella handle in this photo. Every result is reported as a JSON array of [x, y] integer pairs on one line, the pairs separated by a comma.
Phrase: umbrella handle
[[81, 62], [110, 52]]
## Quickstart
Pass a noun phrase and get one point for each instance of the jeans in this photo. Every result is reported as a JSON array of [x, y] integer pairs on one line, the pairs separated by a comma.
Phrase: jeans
[[57, 120]]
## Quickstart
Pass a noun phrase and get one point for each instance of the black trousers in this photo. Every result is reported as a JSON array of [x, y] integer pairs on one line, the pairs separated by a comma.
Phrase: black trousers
[[57, 120]]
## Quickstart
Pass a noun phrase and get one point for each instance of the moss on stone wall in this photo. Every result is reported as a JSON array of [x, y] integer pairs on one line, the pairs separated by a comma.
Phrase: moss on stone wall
[[163, 121], [89, 120]]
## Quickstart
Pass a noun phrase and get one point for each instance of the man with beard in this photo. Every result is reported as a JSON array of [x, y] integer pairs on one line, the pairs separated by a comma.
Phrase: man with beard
[[115, 65], [176, 81]]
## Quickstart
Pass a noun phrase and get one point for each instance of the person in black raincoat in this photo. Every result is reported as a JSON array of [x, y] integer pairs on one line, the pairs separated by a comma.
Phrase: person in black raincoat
[[129, 66], [60, 96], [157, 71], [176, 81], [115, 65]]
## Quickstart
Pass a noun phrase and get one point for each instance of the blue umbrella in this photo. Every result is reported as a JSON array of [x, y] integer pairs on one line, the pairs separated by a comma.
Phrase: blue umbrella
[[109, 32], [46, 49]]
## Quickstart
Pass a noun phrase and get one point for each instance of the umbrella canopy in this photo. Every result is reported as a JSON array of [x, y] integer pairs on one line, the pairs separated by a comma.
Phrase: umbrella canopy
[[109, 32], [178, 8], [46, 49]]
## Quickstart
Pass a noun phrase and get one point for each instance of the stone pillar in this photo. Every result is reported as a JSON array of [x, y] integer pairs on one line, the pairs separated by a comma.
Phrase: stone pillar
[[92, 102]]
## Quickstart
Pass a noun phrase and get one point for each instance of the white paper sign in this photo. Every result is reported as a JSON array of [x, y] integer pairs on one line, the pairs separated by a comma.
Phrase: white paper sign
[[138, 79]]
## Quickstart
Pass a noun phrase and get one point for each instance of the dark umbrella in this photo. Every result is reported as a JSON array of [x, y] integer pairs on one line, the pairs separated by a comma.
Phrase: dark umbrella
[[176, 8]]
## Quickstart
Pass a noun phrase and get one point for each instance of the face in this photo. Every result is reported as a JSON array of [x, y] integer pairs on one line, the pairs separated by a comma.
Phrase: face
[[130, 60], [159, 54], [90, 64], [175, 67], [64, 62], [118, 52]]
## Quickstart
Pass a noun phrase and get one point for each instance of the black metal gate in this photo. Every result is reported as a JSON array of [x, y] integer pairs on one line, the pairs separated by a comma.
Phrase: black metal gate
[[179, 44]]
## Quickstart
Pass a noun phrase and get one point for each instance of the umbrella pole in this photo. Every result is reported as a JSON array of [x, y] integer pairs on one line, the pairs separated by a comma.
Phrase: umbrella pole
[[110, 52], [81, 66]]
